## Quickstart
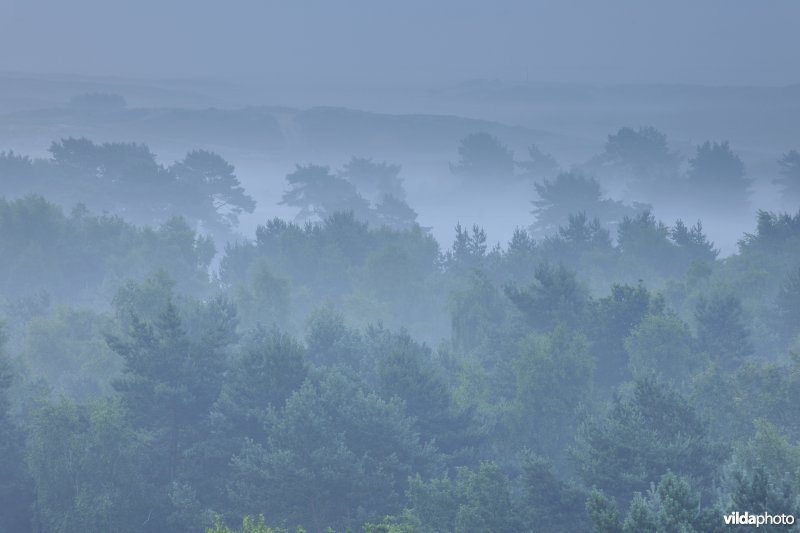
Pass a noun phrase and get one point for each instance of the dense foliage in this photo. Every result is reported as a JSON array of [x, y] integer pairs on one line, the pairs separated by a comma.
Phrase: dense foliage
[[602, 369]]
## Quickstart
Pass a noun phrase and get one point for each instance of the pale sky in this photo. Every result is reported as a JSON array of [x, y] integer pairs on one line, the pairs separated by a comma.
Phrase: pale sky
[[416, 42]]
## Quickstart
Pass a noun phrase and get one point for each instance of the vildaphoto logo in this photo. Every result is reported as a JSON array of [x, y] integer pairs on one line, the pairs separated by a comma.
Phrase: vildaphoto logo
[[763, 519]]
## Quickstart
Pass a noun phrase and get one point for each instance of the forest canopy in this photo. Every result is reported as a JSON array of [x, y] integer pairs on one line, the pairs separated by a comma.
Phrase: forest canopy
[[343, 369]]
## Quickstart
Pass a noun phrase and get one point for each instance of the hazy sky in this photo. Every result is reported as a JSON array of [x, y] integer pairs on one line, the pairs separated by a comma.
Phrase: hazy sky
[[407, 41]]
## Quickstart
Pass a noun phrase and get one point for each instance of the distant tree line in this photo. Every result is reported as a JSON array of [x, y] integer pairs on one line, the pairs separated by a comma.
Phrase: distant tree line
[[126, 179], [640, 158], [372, 191]]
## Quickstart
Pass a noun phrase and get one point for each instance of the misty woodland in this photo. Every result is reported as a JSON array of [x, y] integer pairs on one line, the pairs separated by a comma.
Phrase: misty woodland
[[343, 369], [232, 306]]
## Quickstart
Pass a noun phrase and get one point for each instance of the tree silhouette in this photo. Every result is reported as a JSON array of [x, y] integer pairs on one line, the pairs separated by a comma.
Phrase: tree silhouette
[[482, 157], [717, 174], [395, 213], [16, 173], [374, 180], [790, 176], [218, 195], [643, 151], [539, 164], [319, 193], [120, 177], [571, 193]]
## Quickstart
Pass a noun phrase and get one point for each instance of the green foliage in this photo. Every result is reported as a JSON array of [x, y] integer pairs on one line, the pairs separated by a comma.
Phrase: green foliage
[[579, 242], [549, 503], [265, 300], [762, 475], [143, 300], [759, 493], [766, 259], [360, 422], [520, 256], [468, 251], [262, 374], [477, 314], [391, 524], [788, 305], [477, 500], [433, 504], [555, 298], [644, 433], [768, 450], [270, 367], [401, 278], [721, 330], [614, 317], [16, 491], [83, 258], [170, 381], [331, 342], [646, 249], [374, 274], [671, 506], [553, 377], [584, 245], [603, 512], [767, 391], [484, 501], [406, 371], [249, 525], [336, 455], [776, 233], [663, 345], [641, 516], [68, 350], [642, 238], [90, 470], [693, 243]]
